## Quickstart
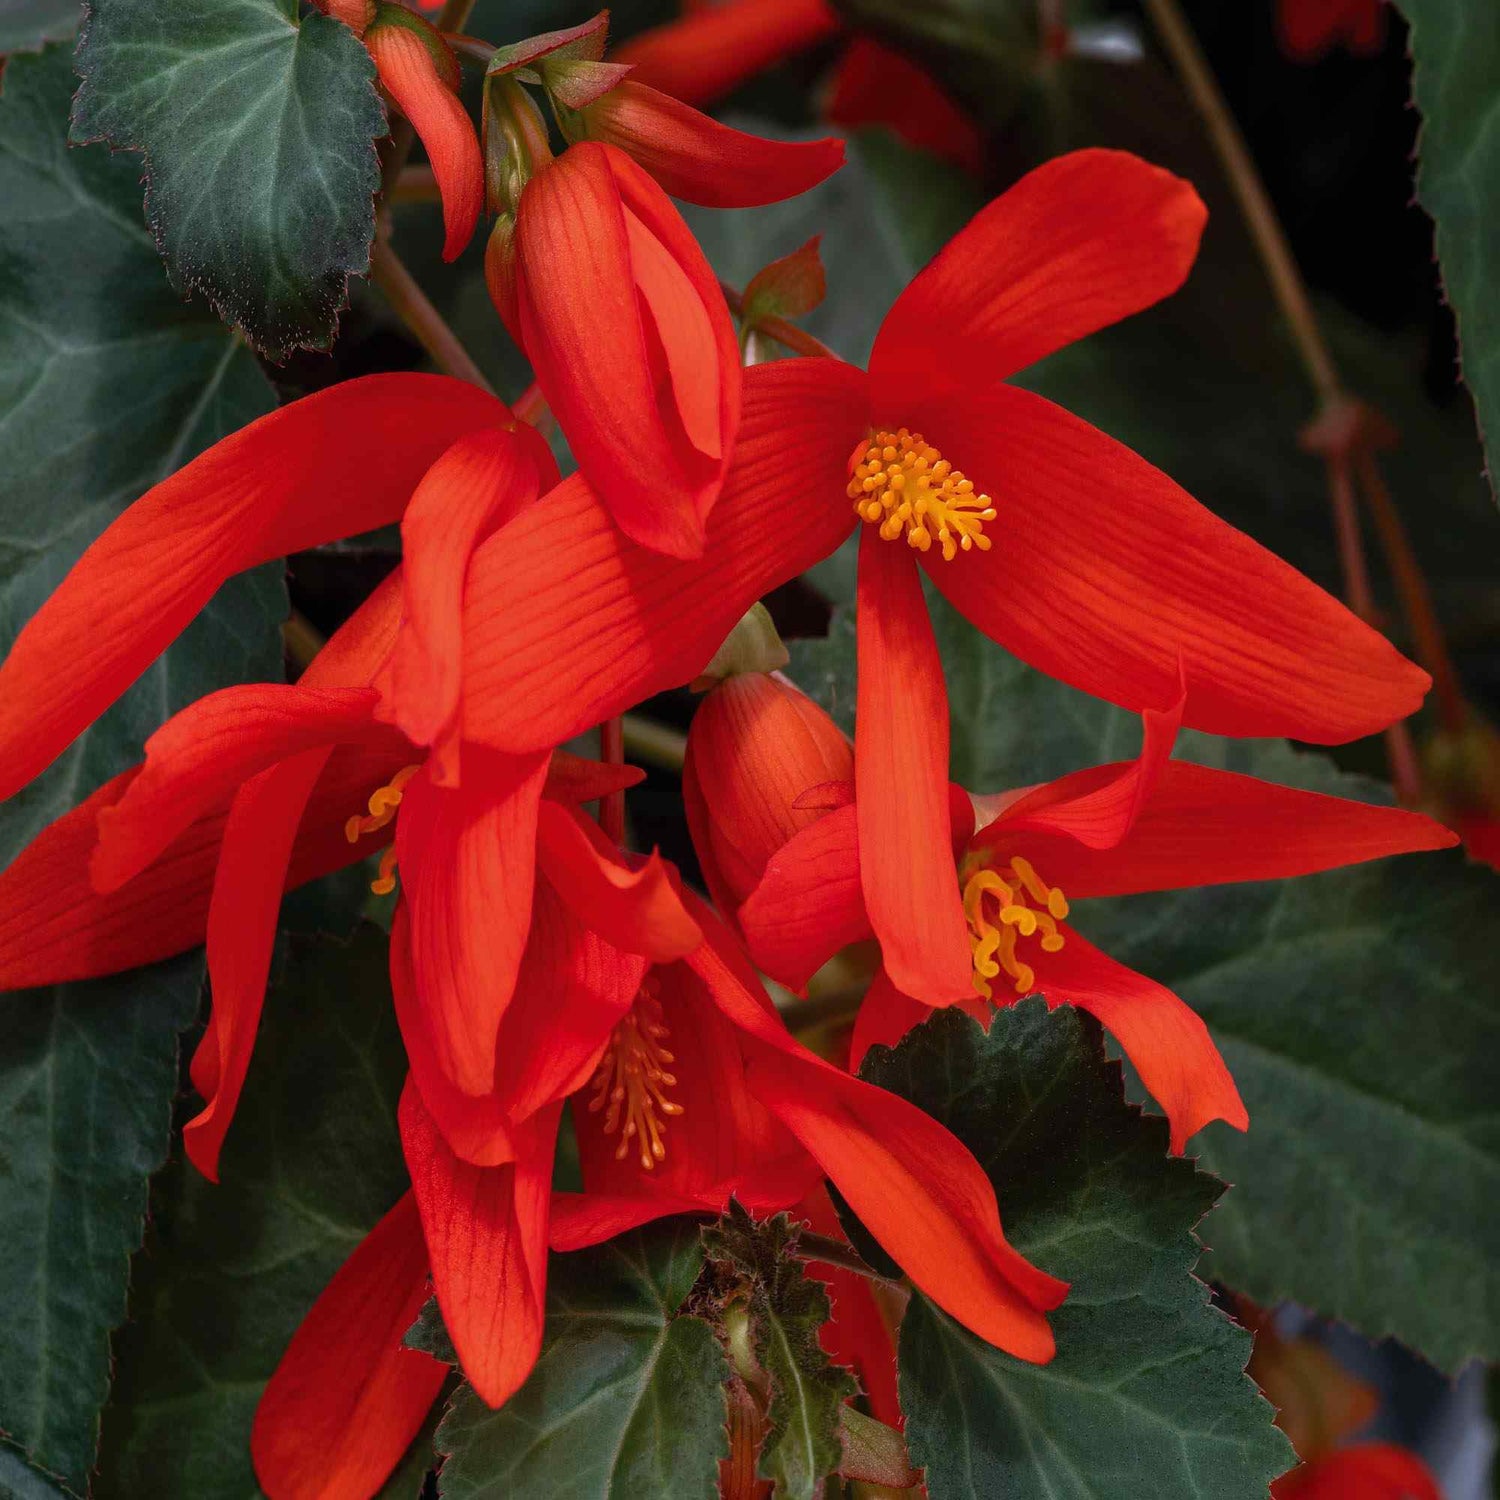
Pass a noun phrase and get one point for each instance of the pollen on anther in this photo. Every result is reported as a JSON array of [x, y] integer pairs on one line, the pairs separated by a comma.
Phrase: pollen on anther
[[631, 1081], [901, 483]]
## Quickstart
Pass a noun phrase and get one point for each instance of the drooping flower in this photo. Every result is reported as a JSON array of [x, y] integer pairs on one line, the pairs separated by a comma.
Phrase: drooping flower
[[685, 1088], [1087, 562], [712, 49], [1308, 29], [604, 286], [1148, 825]]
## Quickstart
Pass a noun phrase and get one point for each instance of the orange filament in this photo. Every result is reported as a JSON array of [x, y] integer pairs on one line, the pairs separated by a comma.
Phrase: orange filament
[[632, 1080], [904, 484], [1004, 909], [383, 804]]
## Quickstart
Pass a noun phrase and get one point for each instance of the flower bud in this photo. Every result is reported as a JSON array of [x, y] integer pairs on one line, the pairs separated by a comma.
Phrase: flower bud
[[631, 341], [756, 748]]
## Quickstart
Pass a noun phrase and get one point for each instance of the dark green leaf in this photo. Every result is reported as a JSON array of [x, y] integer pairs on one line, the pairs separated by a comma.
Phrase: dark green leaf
[[107, 383], [258, 132], [787, 1307], [27, 25], [430, 1334], [1147, 1395], [1356, 1010], [626, 1399], [228, 1272], [1455, 48]]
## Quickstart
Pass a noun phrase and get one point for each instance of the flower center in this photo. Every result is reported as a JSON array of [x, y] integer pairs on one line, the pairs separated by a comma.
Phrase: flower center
[[632, 1080], [1003, 909], [903, 484], [382, 804]]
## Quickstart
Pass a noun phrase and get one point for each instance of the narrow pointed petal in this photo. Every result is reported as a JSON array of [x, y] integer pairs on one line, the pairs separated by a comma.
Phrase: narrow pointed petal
[[1165, 1040], [1105, 574], [330, 465], [1077, 244], [348, 1397], [486, 1232], [583, 1219], [885, 1016], [197, 759], [699, 160], [573, 779], [809, 903], [408, 73], [911, 1182], [1208, 827], [637, 911], [631, 342], [54, 926], [1097, 807], [706, 54], [476, 1127], [481, 482], [252, 873], [901, 781], [876, 85], [467, 857], [577, 581]]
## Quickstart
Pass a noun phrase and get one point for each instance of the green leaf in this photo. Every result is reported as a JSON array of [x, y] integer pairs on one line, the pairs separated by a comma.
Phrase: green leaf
[[787, 1307], [626, 1399], [1147, 1395], [1354, 1008], [1455, 49], [258, 132], [28, 25], [312, 1162], [107, 384]]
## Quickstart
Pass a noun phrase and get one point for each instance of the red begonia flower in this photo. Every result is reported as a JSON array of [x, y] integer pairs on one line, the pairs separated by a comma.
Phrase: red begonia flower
[[755, 747], [1088, 563], [334, 464], [876, 85], [1307, 29], [1366, 1471], [347, 1397], [418, 70], [631, 341], [718, 47], [1150, 824]]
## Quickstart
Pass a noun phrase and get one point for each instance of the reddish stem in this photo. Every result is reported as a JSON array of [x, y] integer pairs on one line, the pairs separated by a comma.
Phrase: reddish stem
[[389, 273]]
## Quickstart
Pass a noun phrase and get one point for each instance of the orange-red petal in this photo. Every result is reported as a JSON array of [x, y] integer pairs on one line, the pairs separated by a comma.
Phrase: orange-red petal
[[696, 158], [1107, 575], [1365, 1471], [348, 1397], [1165, 1039], [1209, 827], [333, 464], [478, 484], [901, 782], [885, 1016], [577, 582], [1077, 244], [631, 342], [486, 1232], [467, 857], [810, 902], [411, 76]]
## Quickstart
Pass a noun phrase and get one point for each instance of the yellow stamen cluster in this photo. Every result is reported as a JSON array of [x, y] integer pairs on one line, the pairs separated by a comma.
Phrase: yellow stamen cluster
[[383, 804], [904, 484], [1003, 908], [632, 1080]]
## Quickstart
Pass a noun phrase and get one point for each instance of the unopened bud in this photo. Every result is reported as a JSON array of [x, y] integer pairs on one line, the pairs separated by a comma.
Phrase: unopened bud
[[500, 272], [516, 146], [763, 761]]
